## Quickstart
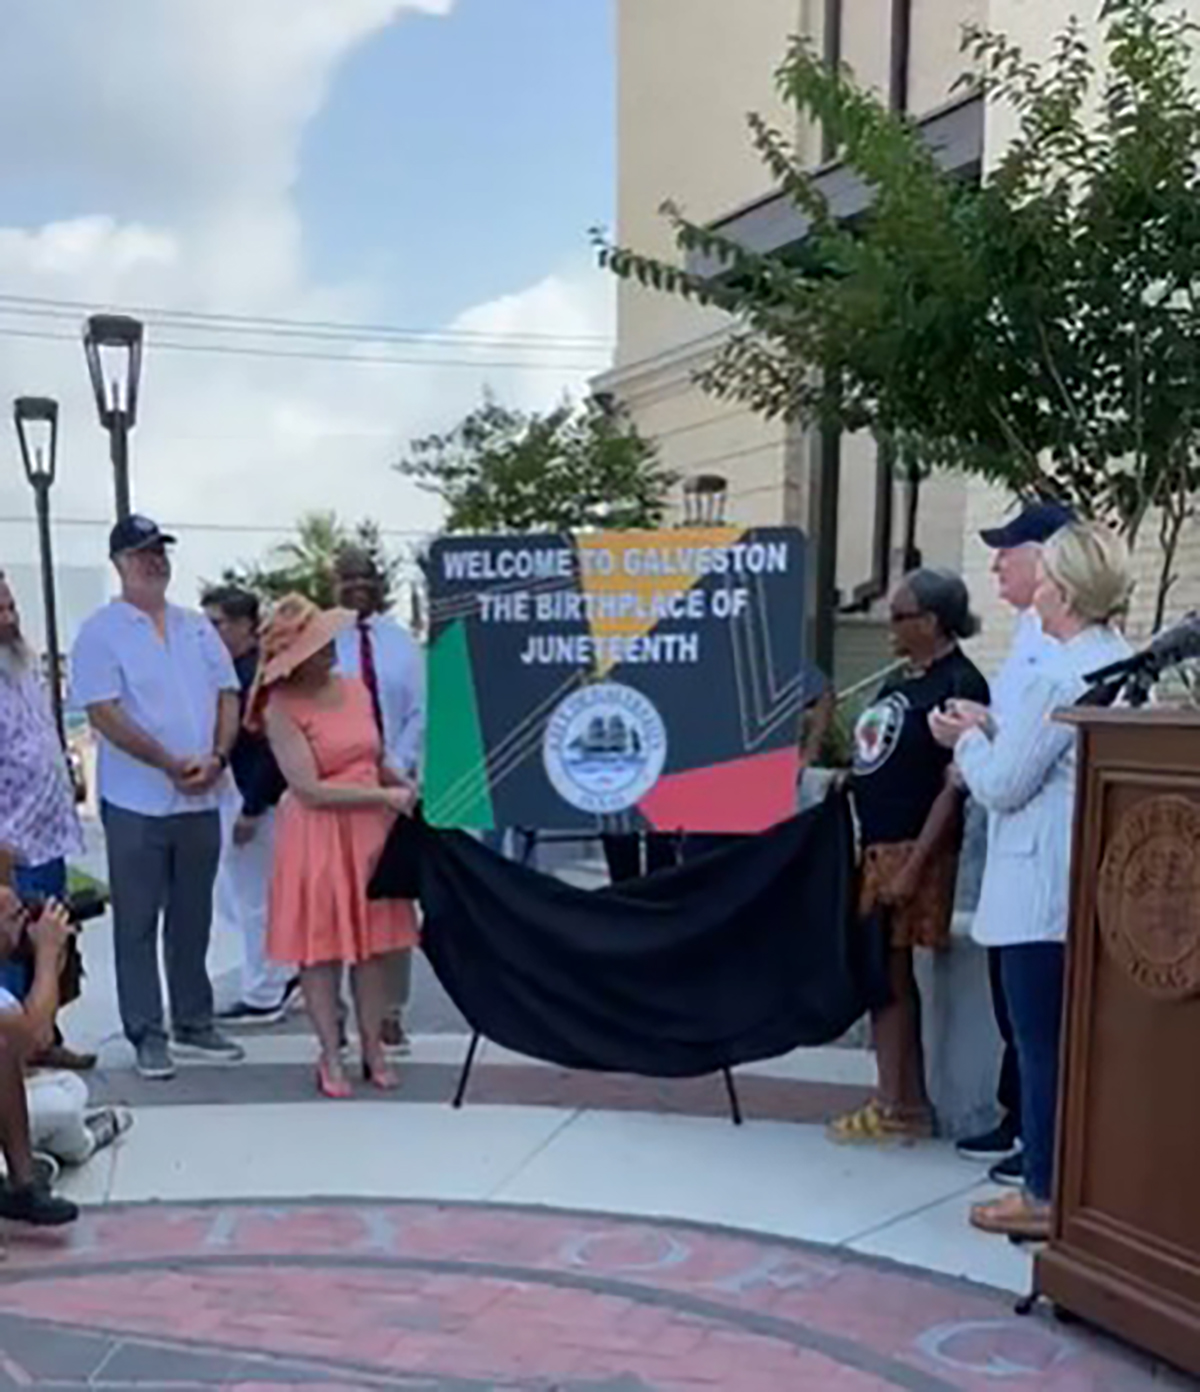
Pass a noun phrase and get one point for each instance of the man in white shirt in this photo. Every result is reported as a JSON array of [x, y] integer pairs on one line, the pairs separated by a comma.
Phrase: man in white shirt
[[388, 660], [1015, 548], [161, 693]]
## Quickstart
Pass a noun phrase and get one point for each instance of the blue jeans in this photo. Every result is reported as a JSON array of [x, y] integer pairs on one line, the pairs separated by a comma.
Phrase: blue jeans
[[48, 881], [1033, 976]]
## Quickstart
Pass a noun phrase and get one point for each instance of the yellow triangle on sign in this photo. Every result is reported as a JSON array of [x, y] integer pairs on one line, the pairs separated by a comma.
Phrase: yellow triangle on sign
[[633, 567]]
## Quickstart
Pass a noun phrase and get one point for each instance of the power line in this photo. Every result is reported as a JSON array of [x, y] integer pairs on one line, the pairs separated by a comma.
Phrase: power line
[[273, 326], [415, 338], [721, 418], [247, 528], [685, 350], [270, 528], [362, 359], [782, 486], [698, 465]]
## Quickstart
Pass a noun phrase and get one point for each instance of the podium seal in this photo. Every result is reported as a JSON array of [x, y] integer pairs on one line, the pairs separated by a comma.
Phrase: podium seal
[[1148, 901]]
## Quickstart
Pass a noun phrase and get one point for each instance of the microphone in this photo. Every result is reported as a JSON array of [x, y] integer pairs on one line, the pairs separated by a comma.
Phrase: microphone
[[1172, 646]]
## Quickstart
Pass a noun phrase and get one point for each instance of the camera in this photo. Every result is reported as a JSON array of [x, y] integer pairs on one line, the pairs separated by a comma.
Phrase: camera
[[81, 907]]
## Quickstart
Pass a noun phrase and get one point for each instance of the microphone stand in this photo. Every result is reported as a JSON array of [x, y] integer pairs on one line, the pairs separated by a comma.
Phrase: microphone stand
[[1136, 680]]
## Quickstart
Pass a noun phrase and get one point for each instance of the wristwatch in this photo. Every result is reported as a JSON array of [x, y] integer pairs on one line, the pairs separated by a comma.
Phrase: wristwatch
[[222, 760]]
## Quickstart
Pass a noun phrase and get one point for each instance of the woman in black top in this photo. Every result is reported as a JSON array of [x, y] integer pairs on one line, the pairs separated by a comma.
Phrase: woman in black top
[[909, 814]]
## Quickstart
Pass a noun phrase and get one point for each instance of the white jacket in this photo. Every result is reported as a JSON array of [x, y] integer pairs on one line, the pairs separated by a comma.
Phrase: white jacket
[[1024, 775], [1029, 646]]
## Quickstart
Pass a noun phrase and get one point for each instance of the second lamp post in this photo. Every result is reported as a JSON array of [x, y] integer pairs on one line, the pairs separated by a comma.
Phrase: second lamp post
[[113, 345], [36, 419]]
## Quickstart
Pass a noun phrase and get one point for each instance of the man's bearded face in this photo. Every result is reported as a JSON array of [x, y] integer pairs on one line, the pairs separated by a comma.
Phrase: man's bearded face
[[10, 619]]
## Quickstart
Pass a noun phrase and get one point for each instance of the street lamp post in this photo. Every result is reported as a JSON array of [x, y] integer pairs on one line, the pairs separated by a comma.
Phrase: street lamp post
[[36, 419], [704, 499], [113, 346]]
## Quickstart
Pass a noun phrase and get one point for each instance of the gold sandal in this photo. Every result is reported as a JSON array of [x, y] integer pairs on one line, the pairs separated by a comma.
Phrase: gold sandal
[[1015, 1215], [877, 1125]]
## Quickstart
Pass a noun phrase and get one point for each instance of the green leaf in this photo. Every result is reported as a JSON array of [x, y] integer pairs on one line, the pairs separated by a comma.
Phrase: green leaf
[[575, 467]]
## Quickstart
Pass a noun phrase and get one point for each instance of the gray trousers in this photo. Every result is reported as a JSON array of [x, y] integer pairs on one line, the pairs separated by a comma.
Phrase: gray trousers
[[162, 867]]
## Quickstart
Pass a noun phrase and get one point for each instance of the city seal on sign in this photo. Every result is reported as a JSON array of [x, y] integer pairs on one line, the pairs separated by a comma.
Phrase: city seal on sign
[[605, 748]]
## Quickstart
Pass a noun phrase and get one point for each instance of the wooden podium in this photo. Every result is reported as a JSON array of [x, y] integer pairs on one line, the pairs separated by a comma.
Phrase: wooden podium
[[1125, 1250]]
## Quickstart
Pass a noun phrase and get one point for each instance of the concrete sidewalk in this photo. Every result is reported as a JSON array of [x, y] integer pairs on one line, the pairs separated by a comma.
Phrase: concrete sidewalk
[[529, 1134]]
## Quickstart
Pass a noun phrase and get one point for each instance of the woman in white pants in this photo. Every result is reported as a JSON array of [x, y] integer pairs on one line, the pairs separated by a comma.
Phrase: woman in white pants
[[248, 829]]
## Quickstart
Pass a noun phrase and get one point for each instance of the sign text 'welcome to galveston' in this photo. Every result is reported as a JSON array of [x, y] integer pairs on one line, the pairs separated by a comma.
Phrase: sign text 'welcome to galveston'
[[619, 680]]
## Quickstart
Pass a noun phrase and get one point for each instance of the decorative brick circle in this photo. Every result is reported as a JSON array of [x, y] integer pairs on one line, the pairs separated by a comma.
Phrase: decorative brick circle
[[435, 1298]]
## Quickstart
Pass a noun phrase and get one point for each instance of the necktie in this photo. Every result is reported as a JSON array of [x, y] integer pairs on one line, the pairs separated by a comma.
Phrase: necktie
[[369, 675]]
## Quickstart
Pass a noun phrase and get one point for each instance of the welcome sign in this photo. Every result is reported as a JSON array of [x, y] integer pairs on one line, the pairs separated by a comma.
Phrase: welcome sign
[[616, 680]]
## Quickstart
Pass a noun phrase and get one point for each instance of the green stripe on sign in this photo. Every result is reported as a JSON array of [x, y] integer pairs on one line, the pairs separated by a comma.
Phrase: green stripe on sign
[[456, 785]]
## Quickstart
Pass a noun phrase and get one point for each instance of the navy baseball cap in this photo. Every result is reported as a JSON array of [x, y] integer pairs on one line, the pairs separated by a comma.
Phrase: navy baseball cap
[[137, 534], [1035, 523]]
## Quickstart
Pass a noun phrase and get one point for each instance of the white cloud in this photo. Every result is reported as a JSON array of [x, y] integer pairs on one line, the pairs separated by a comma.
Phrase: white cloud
[[186, 102], [189, 116], [94, 249]]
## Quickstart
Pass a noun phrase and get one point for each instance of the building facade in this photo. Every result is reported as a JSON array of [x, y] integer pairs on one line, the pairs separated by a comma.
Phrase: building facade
[[689, 71]]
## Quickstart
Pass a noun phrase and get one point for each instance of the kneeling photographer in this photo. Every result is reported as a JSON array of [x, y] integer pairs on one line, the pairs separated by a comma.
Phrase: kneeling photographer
[[40, 1110]]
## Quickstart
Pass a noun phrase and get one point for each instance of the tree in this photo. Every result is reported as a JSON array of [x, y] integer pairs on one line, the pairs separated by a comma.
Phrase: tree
[[577, 467], [1040, 328], [305, 563]]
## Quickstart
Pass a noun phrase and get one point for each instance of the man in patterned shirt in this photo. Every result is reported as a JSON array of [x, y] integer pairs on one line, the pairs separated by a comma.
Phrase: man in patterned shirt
[[38, 825]]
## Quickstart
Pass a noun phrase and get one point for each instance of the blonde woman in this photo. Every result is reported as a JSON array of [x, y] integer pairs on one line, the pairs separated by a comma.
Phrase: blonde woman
[[1022, 770]]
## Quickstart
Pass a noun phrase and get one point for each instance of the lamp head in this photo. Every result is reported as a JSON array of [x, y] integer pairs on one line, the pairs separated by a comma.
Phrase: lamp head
[[704, 498], [36, 419], [112, 344]]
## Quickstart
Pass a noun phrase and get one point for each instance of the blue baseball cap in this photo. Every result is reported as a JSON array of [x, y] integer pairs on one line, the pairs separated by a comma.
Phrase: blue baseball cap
[[137, 534], [1035, 523]]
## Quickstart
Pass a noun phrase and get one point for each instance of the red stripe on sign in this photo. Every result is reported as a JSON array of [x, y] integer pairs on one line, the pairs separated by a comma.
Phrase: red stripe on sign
[[746, 795]]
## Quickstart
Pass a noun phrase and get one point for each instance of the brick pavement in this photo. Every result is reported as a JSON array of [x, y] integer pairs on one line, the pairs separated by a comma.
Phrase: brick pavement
[[436, 1298], [526, 1085]]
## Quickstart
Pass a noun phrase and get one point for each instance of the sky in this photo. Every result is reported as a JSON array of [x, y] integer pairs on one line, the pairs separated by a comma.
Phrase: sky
[[428, 165]]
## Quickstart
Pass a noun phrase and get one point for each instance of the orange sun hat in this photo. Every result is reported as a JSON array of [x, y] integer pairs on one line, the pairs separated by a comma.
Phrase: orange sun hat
[[295, 631]]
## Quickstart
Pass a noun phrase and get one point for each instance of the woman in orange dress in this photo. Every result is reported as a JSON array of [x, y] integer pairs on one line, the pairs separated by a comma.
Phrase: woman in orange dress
[[331, 827]]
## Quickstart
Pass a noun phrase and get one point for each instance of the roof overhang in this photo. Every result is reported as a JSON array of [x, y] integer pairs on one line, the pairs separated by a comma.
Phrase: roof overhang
[[953, 132]]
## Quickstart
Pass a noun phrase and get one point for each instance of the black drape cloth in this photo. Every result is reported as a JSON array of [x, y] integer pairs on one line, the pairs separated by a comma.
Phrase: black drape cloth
[[743, 955]]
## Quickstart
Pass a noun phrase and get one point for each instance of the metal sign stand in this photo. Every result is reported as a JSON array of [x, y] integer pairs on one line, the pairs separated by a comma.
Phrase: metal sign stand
[[464, 1078], [528, 840]]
